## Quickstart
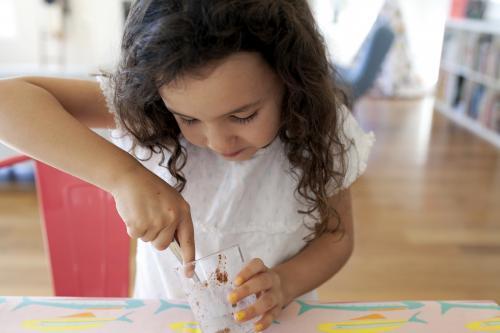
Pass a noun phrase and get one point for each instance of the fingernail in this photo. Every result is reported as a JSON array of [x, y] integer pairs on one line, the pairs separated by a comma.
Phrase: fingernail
[[238, 281], [239, 316], [233, 298], [259, 328]]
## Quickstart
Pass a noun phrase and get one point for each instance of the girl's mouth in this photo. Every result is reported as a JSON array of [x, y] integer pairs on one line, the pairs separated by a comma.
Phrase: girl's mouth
[[233, 154]]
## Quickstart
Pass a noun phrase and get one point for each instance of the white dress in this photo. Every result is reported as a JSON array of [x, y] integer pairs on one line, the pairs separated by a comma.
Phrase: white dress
[[250, 203]]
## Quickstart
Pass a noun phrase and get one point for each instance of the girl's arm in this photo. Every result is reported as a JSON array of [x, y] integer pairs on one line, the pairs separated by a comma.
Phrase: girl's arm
[[315, 264], [49, 119], [322, 258]]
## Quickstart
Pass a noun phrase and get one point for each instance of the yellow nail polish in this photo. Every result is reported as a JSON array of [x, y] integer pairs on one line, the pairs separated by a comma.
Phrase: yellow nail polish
[[233, 298], [239, 316], [238, 281], [259, 328]]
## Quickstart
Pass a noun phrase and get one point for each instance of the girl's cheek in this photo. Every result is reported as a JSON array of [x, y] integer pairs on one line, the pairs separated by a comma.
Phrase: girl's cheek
[[267, 129], [193, 136]]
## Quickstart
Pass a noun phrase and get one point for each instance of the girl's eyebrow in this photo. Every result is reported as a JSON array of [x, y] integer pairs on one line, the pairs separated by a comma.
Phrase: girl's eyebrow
[[237, 110]]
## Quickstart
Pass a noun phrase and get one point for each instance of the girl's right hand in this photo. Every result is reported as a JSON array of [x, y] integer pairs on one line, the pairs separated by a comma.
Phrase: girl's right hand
[[154, 211]]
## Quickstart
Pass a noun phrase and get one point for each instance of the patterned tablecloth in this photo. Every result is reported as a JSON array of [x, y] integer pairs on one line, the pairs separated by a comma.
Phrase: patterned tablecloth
[[57, 314]]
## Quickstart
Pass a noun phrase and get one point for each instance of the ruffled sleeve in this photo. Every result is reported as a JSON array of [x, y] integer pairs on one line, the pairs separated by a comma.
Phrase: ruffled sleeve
[[107, 91], [119, 136], [122, 138], [358, 144]]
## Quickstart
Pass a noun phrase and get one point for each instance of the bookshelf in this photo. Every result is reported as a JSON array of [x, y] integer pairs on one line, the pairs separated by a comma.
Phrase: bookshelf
[[468, 88]]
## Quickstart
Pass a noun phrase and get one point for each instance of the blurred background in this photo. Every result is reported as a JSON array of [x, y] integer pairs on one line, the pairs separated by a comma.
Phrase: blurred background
[[425, 78]]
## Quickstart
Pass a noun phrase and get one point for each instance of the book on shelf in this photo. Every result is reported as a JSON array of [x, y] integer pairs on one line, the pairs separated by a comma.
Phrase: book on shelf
[[488, 10], [478, 52], [483, 50], [490, 110], [457, 8], [476, 8], [493, 62], [468, 8], [474, 100], [469, 77], [466, 93]]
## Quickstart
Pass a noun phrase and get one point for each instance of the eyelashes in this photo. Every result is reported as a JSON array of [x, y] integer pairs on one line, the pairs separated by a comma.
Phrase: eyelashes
[[244, 120], [188, 121], [232, 118]]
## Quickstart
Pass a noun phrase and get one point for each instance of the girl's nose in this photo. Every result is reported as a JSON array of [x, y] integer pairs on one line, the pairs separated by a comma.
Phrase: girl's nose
[[219, 140]]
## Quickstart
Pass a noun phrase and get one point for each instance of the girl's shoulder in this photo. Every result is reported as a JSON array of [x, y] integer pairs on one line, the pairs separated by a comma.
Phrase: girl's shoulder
[[358, 144]]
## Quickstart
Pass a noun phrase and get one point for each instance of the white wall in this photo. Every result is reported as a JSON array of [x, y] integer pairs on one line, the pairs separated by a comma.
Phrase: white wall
[[22, 46], [94, 32], [93, 36]]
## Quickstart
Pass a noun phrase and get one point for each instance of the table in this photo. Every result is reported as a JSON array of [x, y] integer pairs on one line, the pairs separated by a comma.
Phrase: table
[[126, 315]]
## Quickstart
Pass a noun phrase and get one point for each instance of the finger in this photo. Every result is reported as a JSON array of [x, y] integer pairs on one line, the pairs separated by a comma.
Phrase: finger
[[164, 238], [150, 234], [267, 319], [135, 232], [255, 266], [258, 283], [264, 303], [185, 236]]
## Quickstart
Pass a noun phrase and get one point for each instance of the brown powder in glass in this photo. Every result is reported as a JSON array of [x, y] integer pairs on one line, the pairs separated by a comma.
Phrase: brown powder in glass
[[221, 276], [225, 330]]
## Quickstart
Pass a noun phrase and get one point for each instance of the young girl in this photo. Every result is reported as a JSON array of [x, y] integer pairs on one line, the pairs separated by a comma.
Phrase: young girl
[[232, 131]]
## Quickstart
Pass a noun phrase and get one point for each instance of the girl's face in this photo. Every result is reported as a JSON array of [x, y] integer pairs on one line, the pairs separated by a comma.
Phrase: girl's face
[[232, 108]]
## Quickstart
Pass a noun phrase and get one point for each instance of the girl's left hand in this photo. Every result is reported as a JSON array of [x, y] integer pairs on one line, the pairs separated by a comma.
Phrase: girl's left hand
[[256, 278]]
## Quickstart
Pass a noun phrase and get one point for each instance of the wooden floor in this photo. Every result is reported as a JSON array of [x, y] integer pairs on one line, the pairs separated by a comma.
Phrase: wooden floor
[[427, 215]]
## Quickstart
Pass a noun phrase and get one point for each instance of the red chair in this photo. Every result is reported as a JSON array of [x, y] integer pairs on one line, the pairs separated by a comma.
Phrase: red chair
[[85, 237]]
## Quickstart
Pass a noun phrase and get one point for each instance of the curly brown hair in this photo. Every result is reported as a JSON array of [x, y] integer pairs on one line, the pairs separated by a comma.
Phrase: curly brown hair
[[165, 39]]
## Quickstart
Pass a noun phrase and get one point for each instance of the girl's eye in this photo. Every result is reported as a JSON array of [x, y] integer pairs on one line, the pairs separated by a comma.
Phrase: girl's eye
[[234, 118], [188, 121], [244, 120]]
